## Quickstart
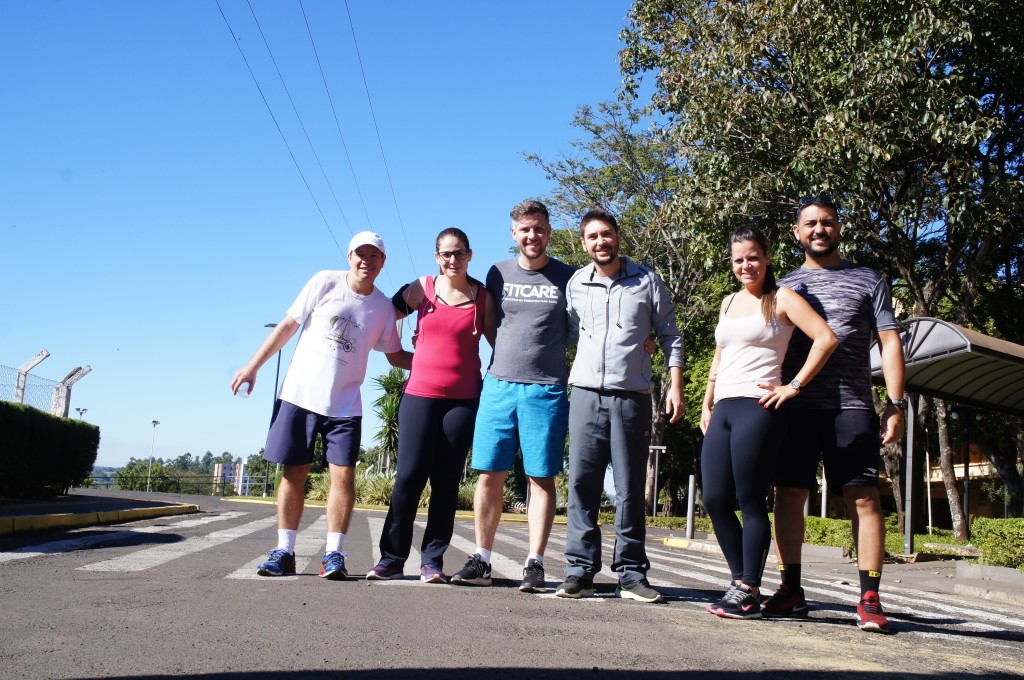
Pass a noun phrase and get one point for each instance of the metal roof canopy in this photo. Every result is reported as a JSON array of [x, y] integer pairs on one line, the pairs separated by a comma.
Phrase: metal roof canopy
[[951, 362]]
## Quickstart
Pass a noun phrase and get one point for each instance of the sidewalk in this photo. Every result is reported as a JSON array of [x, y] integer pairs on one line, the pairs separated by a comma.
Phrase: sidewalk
[[86, 507], [928, 573]]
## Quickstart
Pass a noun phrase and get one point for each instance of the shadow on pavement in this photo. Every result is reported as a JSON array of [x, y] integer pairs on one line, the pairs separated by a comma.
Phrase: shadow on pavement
[[566, 674]]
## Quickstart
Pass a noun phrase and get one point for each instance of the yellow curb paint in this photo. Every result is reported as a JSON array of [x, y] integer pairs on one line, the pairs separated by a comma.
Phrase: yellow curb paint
[[15, 525]]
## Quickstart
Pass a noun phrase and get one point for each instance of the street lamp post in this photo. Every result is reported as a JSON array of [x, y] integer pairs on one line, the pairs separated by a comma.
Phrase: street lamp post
[[152, 450], [81, 412]]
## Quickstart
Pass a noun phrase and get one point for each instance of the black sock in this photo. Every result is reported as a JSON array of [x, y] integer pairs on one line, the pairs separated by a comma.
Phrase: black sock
[[790, 574], [869, 581]]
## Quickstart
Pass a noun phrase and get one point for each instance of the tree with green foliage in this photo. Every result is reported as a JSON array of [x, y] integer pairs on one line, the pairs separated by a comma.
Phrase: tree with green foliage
[[386, 406], [625, 163], [136, 473], [907, 111]]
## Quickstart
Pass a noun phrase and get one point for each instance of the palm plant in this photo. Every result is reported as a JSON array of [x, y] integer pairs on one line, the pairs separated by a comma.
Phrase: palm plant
[[386, 408]]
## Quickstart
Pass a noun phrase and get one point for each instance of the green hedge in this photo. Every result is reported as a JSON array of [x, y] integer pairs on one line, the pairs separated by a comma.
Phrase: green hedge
[[837, 533], [1001, 541], [42, 454]]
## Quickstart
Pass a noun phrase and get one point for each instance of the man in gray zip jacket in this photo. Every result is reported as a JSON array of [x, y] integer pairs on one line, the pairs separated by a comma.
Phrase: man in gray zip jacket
[[616, 304]]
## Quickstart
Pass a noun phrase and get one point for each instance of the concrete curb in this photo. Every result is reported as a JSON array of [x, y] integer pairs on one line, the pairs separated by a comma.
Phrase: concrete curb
[[14, 525], [710, 545], [998, 584]]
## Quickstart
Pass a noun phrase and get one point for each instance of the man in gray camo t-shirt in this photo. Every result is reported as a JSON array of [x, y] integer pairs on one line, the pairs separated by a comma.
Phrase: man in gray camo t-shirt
[[834, 420]]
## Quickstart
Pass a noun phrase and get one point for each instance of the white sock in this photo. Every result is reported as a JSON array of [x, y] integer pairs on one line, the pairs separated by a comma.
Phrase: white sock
[[334, 540], [484, 554], [536, 557], [286, 539]]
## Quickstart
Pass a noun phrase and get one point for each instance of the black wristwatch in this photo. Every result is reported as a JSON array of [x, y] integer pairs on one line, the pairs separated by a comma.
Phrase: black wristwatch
[[900, 403]]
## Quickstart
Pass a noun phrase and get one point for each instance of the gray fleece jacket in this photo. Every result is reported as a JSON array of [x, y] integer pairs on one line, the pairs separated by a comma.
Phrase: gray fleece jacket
[[614, 320]]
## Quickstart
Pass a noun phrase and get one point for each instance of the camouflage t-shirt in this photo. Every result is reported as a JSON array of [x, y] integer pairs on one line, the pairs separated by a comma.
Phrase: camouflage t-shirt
[[855, 302]]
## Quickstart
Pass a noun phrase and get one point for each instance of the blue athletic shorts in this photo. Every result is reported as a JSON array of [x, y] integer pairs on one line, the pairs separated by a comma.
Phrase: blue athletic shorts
[[845, 441], [518, 416], [293, 432]]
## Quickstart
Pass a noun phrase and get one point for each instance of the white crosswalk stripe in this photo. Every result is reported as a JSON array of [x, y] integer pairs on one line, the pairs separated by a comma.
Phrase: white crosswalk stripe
[[500, 565], [91, 539], [160, 554], [309, 544], [376, 525]]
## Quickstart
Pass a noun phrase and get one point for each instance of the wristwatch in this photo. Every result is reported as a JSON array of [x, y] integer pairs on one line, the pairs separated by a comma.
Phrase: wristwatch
[[900, 403], [796, 385]]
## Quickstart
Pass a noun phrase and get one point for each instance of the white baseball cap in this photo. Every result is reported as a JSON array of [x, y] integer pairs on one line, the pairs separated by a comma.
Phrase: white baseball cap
[[367, 238]]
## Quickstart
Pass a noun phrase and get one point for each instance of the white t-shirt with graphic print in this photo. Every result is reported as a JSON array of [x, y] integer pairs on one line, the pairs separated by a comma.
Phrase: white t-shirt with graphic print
[[339, 328]]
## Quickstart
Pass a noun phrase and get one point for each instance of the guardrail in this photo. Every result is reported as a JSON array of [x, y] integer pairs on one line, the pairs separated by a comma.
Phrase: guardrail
[[211, 485]]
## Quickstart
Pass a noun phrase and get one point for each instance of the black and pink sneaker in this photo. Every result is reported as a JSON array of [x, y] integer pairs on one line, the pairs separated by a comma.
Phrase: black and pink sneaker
[[738, 603]]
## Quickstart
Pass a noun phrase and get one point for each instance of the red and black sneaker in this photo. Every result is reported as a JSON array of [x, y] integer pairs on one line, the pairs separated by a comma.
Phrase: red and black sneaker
[[786, 603], [869, 614]]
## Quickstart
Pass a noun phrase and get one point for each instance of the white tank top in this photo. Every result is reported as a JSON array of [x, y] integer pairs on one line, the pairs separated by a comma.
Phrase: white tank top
[[751, 353]]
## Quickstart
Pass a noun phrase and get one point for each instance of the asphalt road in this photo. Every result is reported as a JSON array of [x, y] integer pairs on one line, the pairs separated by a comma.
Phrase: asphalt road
[[178, 596]]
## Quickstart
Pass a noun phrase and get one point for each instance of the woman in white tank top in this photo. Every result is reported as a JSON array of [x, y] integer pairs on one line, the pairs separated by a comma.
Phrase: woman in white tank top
[[740, 414]]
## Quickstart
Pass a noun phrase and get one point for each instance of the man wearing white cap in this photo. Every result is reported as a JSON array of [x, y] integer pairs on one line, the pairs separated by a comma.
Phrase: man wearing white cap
[[342, 316]]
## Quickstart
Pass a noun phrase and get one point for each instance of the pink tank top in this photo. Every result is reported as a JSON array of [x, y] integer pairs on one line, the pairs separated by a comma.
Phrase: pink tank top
[[751, 353], [446, 361]]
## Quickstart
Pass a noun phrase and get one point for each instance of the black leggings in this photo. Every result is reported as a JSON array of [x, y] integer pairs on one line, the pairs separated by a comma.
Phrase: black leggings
[[737, 459], [434, 436]]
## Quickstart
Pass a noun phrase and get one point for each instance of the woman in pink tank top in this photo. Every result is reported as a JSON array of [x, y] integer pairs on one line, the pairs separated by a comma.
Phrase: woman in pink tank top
[[438, 409], [740, 418]]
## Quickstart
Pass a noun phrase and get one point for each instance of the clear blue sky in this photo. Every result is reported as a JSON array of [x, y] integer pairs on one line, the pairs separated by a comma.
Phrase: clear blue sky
[[153, 220]]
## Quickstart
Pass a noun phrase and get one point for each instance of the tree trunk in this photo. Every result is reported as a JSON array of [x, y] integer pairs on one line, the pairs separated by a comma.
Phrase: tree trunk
[[891, 456], [956, 509], [657, 437]]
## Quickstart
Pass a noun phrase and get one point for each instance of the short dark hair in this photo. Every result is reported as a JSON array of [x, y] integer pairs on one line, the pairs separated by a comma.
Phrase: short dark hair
[[601, 215], [529, 207], [819, 200]]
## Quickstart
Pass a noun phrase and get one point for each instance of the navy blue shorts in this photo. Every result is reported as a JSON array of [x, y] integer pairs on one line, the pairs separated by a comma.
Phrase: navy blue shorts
[[293, 432], [846, 441]]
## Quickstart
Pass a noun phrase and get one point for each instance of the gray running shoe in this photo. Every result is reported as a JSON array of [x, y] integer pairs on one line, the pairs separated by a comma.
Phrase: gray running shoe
[[721, 602], [641, 591], [576, 587], [533, 578]]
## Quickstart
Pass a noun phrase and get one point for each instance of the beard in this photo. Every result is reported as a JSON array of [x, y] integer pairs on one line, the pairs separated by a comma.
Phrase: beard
[[818, 250], [533, 252]]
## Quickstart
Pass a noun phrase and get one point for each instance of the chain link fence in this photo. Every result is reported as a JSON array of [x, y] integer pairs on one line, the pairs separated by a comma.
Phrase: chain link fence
[[39, 392]]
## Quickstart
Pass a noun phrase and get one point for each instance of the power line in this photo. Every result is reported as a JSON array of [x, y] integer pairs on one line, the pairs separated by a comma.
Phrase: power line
[[299, 117], [380, 143], [334, 111], [284, 139]]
